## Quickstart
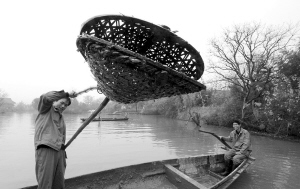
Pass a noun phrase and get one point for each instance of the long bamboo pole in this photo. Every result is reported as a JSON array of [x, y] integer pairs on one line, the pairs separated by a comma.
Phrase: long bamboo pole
[[88, 120], [221, 140], [196, 120]]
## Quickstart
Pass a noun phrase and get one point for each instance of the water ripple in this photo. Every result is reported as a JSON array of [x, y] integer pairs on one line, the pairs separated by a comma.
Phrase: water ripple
[[105, 145]]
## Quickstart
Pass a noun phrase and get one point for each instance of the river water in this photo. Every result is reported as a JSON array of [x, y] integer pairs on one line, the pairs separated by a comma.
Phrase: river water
[[105, 145]]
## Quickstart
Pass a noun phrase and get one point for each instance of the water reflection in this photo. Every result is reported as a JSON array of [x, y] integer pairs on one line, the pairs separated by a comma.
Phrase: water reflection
[[277, 165], [105, 145]]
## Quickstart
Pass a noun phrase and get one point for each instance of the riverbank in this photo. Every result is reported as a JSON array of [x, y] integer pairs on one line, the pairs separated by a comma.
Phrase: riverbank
[[185, 116], [271, 135]]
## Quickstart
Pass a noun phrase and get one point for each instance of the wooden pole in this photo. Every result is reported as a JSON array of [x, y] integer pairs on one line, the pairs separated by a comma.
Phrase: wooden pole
[[221, 140], [88, 120], [196, 120]]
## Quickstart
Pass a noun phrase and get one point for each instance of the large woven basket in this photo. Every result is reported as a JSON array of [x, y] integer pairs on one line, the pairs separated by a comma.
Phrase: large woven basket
[[134, 60]]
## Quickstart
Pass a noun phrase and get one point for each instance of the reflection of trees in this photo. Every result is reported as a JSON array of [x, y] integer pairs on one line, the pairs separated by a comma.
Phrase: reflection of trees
[[17, 125], [174, 134], [283, 173]]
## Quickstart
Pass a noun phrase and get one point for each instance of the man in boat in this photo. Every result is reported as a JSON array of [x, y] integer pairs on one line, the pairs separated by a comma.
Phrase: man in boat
[[49, 139], [241, 149]]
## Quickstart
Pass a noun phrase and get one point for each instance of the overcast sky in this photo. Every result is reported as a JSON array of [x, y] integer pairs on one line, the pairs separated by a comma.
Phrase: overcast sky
[[38, 38]]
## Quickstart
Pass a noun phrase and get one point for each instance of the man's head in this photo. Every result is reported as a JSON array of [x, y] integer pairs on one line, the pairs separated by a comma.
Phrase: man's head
[[236, 125], [61, 104]]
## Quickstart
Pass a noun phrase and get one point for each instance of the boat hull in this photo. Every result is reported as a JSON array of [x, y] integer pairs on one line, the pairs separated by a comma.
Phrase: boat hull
[[192, 172]]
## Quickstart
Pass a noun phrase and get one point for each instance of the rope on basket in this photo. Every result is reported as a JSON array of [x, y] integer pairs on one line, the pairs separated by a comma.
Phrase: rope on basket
[[127, 77], [133, 60]]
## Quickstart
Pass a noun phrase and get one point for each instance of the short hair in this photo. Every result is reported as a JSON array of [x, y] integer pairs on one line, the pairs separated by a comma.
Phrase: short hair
[[237, 121], [68, 99]]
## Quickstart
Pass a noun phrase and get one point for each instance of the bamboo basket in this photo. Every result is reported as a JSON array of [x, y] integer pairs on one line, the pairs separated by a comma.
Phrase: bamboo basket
[[133, 60]]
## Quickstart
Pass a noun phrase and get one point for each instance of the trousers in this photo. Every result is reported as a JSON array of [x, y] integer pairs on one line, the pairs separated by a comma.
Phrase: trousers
[[236, 159], [50, 168]]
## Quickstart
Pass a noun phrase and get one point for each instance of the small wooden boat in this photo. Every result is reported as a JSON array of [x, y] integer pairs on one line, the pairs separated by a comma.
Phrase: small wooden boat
[[200, 172], [107, 119]]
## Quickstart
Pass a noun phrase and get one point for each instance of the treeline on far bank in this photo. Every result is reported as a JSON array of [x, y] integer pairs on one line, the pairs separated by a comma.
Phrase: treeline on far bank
[[215, 107], [273, 115]]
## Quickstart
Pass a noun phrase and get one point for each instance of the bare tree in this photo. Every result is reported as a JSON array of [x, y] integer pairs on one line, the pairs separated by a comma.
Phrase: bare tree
[[246, 55]]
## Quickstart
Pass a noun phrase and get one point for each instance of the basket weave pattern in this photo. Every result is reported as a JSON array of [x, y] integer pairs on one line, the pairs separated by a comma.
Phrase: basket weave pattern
[[152, 41], [127, 77]]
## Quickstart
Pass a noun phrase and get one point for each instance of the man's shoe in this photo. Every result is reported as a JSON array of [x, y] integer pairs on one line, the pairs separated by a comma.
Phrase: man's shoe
[[228, 168]]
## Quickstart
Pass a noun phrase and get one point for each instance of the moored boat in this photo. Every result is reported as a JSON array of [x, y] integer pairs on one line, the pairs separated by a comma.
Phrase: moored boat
[[107, 119], [199, 172]]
